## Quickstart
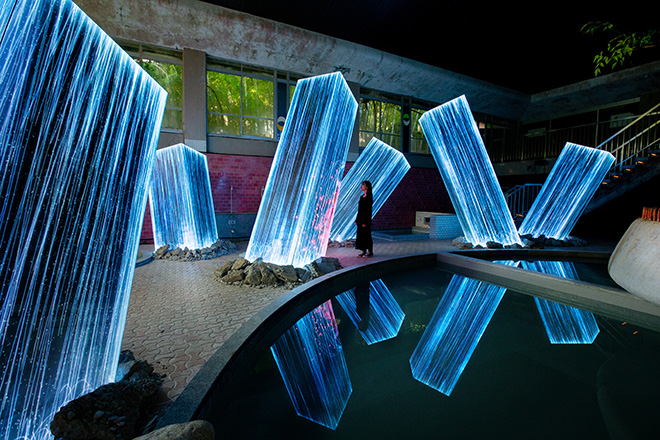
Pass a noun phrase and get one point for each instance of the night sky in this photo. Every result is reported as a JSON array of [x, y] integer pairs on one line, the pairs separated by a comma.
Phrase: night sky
[[526, 46]]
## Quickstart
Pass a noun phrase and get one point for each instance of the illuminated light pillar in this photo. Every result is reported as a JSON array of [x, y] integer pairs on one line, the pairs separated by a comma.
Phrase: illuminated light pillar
[[380, 164], [180, 199], [311, 360], [452, 335], [295, 215], [461, 157], [563, 324], [571, 184], [79, 123], [373, 310]]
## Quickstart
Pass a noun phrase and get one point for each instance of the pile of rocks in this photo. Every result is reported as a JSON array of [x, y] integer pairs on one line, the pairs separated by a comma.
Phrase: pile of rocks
[[542, 241], [528, 242], [240, 271], [112, 411], [341, 244], [217, 249]]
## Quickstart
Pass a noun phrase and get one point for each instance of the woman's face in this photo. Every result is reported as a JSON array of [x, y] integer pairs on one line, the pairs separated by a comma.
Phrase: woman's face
[[363, 187]]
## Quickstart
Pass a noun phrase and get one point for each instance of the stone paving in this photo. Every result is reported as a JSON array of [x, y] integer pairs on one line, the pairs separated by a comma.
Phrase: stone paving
[[179, 314]]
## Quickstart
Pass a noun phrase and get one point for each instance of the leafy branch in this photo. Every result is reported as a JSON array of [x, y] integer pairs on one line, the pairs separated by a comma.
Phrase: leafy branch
[[621, 46]]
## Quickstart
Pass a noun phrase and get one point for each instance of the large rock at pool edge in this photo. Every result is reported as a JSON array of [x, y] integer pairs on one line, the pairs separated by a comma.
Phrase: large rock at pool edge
[[635, 262]]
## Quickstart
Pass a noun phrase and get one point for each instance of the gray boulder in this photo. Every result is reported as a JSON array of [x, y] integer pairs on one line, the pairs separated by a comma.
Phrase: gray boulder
[[240, 263], [253, 275], [268, 278], [285, 273], [112, 411], [234, 276]]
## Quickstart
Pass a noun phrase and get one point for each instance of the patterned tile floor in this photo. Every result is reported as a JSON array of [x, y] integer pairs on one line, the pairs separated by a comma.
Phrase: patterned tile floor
[[179, 313]]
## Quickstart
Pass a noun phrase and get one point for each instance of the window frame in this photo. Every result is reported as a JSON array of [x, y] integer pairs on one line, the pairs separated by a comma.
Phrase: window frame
[[243, 71], [379, 133], [141, 53]]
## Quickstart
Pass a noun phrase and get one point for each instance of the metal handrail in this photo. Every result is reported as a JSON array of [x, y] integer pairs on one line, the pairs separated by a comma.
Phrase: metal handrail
[[550, 143], [649, 112], [521, 197]]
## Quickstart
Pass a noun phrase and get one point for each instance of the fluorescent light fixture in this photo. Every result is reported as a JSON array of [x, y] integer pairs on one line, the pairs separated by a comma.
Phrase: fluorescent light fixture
[[79, 124], [467, 173], [295, 215], [180, 199]]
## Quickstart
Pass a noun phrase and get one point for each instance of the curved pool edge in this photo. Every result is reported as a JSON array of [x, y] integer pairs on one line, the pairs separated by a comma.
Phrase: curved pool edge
[[261, 331]]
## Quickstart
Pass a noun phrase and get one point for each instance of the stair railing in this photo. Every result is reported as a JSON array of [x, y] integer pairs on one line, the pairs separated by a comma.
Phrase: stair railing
[[629, 143], [521, 197]]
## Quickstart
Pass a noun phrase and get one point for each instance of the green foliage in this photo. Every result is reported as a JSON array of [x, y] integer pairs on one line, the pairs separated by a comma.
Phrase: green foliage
[[382, 120], [170, 77], [620, 47], [239, 105]]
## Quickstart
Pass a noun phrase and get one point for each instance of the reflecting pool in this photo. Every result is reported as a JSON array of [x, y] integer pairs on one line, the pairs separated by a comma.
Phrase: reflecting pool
[[515, 382]]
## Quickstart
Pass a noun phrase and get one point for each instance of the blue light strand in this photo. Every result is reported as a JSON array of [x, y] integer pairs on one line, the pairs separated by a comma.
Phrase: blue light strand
[[373, 310], [467, 173], [79, 123], [563, 324], [572, 182], [180, 199], [380, 164], [452, 335], [295, 215], [311, 360]]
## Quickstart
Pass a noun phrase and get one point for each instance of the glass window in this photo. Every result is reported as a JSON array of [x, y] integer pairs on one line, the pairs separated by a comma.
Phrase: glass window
[[240, 105], [382, 120], [170, 77], [418, 142]]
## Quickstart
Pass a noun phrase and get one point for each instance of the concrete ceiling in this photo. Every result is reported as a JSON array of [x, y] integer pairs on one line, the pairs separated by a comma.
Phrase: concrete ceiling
[[530, 47]]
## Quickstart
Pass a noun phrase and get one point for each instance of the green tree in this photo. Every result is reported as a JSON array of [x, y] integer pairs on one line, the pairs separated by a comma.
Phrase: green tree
[[621, 46], [170, 77]]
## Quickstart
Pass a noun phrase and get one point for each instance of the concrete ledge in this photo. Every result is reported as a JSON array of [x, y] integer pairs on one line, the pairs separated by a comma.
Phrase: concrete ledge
[[606, 301], [635, 262]]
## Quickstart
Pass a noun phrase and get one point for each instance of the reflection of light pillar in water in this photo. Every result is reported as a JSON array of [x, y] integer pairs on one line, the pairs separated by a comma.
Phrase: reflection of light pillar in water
[[295, 215], [571, 184], [79, 123], [467, 173], [180, 199], [373, 310], [311, 361], [380, 164], [563, 324], [454, 331]]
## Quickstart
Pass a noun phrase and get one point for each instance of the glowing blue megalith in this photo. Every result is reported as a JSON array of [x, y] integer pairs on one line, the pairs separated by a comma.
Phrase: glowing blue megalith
[[373, 310], [563, 324], [571, 184], [311, 361], [467, 173], [295, 215], [459, 321], [180, 199], [79, 123], [380, 164]]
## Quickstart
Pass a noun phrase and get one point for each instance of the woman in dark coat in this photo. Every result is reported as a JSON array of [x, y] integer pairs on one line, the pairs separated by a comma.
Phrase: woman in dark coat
[[363, 240]]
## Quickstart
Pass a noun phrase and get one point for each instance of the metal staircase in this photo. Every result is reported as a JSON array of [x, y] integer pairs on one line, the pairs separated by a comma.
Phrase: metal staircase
[[636, 148], [520, 198]]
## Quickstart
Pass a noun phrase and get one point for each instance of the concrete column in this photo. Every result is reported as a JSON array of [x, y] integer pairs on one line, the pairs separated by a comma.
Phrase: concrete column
[[354, 148], [194, 99]]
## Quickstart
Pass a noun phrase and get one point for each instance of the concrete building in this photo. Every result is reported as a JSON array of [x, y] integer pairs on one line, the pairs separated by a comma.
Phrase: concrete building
[[203, 40]]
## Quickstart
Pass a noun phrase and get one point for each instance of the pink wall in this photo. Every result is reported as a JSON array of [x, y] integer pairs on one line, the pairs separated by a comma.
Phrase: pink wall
[[420, 190]]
